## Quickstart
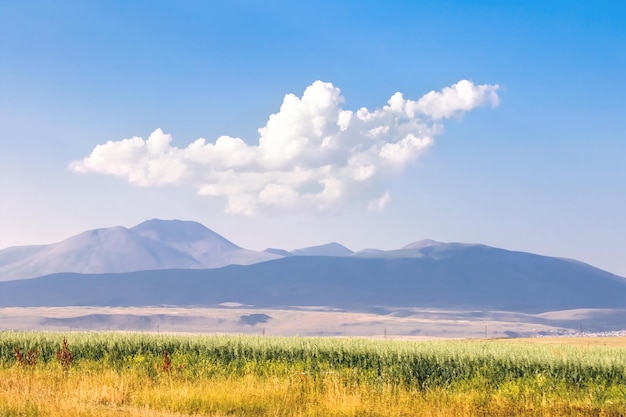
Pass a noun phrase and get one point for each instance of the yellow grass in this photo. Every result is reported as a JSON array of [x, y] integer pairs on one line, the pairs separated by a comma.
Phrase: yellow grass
[[48, 391]]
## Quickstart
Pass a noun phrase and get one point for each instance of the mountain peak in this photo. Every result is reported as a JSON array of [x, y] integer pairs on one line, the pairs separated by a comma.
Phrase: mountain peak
[[329, 249], [160, 224], [172, 231], [420, 244]]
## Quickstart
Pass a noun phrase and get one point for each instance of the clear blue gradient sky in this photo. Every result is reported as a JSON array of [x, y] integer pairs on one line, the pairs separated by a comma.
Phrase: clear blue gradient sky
[[544, 171]]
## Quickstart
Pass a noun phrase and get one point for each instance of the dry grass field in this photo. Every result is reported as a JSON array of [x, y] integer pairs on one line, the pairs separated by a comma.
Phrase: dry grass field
[[582, 342]]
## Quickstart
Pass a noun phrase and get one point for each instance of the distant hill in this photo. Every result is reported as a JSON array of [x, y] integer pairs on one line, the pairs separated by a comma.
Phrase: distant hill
[[423, 248], [154, 244], [437, 275], [329, 249], [276, 251]]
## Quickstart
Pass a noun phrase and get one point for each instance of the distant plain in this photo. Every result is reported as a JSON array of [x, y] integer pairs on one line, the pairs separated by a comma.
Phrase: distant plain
[[397, 323]]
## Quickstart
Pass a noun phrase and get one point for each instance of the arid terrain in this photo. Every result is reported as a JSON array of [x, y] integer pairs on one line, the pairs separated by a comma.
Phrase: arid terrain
[[412, 323]]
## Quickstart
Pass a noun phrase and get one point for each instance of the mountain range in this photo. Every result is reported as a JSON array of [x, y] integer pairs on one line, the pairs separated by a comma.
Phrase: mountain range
[[153, 244], [184, 263]]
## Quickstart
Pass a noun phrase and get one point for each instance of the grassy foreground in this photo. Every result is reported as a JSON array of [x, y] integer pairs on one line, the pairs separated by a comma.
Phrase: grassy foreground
[[130, 375]]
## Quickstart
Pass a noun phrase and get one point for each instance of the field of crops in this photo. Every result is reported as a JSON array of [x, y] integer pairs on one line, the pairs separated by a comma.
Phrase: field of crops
[[99, 374]]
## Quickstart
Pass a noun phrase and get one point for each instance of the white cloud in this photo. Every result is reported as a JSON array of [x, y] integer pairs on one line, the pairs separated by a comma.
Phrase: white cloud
[[379, 203], [312, 154], [454, 100]]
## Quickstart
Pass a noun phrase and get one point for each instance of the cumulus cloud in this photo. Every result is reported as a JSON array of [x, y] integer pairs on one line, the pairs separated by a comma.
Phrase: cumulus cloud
[[312, 154]]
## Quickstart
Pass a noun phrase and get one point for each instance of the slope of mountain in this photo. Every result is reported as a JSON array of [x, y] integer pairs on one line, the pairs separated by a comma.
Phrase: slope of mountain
[[154, 244], [470, 277], [329, 249], [17, 253]]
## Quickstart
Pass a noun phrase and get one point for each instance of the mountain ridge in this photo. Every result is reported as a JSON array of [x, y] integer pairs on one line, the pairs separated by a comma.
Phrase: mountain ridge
[[169, 244], [153, 244], [478, 278]]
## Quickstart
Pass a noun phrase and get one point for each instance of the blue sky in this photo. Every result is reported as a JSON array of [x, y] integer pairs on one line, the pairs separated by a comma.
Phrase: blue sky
[[541, 170]]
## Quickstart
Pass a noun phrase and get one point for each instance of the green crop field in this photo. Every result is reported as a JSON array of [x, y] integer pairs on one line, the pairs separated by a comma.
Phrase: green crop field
[[134, 374]]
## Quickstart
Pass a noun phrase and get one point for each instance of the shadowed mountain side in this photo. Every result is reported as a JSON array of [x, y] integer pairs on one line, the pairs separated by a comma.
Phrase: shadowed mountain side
[[117, 321], [478, 278]]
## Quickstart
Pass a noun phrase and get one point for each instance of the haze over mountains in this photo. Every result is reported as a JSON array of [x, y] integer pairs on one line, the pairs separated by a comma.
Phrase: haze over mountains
[[161, 244], [170, 261], [153, 244]]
